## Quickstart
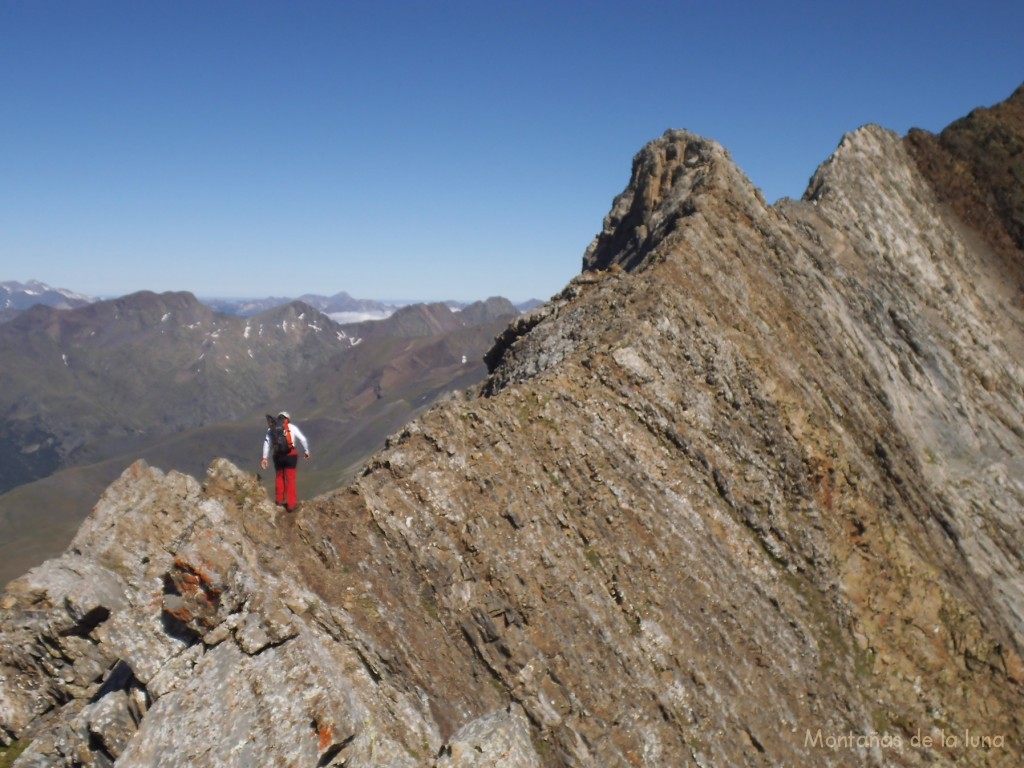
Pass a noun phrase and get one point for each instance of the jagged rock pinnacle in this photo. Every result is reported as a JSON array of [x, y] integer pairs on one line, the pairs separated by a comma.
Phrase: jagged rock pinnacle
[[669, 178]]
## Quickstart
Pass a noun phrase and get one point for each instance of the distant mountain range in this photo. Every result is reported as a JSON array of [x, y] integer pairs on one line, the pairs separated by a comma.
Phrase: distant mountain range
[[81, 383], [16, 297], [86, 390]]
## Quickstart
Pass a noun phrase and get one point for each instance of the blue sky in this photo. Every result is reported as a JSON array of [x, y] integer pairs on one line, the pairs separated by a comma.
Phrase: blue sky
[[427, 150]]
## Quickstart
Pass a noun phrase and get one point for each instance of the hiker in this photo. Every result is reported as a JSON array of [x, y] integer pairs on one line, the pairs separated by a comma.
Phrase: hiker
[[283, 438]]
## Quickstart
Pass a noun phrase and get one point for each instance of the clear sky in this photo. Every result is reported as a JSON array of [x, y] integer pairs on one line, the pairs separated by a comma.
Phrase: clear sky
[[427, 149]]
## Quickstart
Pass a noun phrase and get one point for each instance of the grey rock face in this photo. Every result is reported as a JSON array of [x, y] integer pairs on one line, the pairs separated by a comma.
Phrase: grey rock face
[[501, 738], [174, 616]]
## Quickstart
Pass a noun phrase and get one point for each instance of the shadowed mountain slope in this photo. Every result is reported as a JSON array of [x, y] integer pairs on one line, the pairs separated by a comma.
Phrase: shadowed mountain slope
[[746, 493], [976, 165]]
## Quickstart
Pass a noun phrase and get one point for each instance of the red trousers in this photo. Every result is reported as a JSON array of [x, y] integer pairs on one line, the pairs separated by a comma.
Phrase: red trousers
[[285, 490]]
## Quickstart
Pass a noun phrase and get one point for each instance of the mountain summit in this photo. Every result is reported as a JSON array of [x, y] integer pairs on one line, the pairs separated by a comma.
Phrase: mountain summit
[[747, 492]]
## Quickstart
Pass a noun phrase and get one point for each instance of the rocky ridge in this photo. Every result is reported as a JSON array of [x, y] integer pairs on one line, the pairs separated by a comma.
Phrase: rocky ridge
[[164, 378], [746, 493]]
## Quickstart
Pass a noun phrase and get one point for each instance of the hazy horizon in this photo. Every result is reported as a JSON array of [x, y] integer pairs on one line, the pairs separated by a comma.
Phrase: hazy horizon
[[455, 148]]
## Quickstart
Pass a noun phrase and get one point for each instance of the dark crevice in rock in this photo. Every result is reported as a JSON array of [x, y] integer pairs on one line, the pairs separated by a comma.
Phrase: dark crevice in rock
[[334, 751], [170, 588], [89, 622], [99, 753], [372, 669], [178, 629], [120, 678]]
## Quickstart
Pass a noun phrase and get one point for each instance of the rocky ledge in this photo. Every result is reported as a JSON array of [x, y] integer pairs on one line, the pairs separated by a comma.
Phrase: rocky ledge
[[177, 601]]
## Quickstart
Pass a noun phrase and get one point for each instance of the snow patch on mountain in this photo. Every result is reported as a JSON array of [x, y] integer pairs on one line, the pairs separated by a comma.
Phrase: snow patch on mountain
[[344, 318], [21, 296]]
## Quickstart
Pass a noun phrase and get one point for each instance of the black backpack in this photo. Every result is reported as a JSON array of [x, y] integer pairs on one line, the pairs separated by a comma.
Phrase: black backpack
[[280, 435]]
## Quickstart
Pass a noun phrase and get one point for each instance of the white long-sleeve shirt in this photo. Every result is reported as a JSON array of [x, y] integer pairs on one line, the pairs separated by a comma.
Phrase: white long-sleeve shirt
[[297, 437]]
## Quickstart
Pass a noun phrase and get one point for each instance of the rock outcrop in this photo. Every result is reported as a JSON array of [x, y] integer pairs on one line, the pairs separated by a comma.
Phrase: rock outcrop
[[747, 492]]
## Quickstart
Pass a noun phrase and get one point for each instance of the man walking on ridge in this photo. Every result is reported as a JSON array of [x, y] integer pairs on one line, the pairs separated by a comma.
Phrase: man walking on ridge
[[283, 438]]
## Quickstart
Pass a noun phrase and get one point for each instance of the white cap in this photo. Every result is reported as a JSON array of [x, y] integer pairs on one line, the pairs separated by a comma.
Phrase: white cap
[[285, 414]]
